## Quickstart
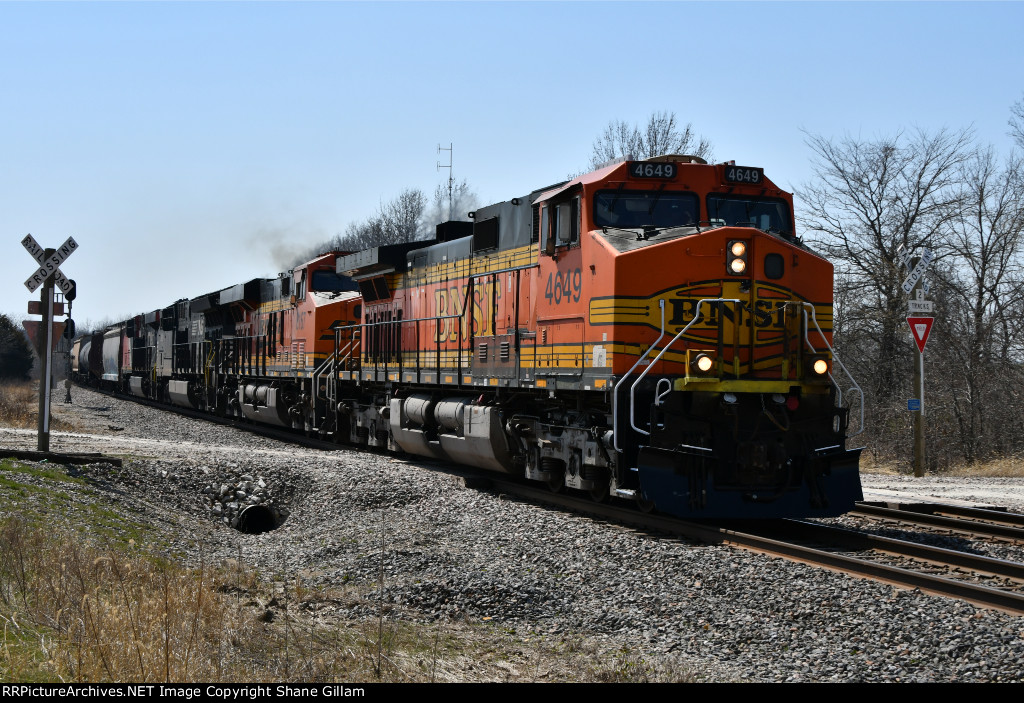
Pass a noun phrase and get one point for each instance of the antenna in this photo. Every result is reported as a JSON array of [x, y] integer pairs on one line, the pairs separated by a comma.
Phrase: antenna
[[451, 177]]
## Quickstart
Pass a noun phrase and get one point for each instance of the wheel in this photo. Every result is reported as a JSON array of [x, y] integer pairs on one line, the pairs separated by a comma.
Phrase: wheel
[[646, 506], [556, 484], [602, 487]]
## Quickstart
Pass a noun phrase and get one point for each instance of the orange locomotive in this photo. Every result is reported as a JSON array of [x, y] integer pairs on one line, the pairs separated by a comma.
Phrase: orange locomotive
[[652, 330]]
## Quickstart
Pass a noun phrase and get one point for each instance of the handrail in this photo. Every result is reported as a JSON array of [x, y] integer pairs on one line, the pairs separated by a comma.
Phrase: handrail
[[835, 359], [417, 320], [615, 390], [632, 389], [326, 367], [209, 363], [346, 351]]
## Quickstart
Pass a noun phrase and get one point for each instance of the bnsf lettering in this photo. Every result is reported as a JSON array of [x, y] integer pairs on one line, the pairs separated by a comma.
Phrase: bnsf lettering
[[449, 302], [766, 313]]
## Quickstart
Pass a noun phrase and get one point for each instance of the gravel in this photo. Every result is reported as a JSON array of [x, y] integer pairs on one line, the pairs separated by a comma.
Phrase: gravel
[[448, 552]]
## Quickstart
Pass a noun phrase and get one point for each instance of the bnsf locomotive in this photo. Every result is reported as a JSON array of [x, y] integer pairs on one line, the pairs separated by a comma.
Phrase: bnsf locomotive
[[653, 330]]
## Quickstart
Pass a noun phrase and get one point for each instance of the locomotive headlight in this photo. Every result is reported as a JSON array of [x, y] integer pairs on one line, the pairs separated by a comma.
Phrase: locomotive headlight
[[820, 367], [703, 362], [737, 259]]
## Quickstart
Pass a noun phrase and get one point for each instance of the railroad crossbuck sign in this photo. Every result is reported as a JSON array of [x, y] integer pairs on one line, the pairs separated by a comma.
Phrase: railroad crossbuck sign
[[49, 265], [920, 327], [915, 275]]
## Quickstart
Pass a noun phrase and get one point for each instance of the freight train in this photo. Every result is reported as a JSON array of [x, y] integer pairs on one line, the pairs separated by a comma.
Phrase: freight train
[[652, 331]]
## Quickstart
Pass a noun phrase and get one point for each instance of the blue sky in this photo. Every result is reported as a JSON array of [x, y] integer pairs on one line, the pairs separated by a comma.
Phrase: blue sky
[[183, 144]]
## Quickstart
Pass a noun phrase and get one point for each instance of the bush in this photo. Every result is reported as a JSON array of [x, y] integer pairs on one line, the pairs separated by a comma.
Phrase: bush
[[15, 356]]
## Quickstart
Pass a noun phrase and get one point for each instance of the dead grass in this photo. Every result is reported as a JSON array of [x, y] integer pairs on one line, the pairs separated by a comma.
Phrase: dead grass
[[1005, 467], [876, 465], [19, 405], [99, 602], [74, 612], [1008, 467]]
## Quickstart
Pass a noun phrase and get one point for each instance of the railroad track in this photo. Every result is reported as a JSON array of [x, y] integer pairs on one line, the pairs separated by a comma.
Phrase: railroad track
[[975, 522], [983, 581]]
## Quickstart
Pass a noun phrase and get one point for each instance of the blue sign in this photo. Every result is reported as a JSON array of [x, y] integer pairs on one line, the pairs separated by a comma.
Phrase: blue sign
[[914, 404]]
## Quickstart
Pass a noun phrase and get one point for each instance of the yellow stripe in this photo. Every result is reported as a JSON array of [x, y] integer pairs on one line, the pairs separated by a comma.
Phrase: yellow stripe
[[476, 264]]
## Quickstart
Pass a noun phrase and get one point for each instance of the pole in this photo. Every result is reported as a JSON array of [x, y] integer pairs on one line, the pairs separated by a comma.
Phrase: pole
[[43, 425], [919, 417], [919, 454]]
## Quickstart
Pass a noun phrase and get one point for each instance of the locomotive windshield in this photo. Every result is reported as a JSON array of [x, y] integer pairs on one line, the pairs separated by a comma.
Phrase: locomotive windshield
[[330, 282], [764, 213], [626, 209]]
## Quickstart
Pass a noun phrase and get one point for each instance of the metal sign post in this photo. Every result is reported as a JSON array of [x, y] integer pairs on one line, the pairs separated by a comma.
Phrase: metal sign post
[[43, 426], [48, 274], [920, 327]]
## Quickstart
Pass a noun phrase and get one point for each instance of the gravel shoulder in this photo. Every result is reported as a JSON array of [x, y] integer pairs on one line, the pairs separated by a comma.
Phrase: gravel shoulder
[[465, 557]]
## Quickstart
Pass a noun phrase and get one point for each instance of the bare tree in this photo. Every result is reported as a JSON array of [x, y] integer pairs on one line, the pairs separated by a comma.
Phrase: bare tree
[[452, 206], [1017, 122], [983, 296], [661, 135], [400, 220], [871, 198]]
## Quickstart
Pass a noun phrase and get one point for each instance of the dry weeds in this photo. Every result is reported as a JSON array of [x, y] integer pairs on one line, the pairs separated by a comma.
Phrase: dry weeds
[[19, 405], [1007, 467], [78, 613]]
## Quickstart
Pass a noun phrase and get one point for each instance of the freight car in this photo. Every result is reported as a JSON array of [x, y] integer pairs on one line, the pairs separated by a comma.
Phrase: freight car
[[653, 331]]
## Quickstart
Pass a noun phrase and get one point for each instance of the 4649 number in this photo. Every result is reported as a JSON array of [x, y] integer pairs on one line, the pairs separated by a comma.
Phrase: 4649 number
[[743, 174], [564, 286], [641, 169]]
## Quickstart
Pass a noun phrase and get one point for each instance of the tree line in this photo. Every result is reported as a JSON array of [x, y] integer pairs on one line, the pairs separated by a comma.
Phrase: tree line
[[874, 200]]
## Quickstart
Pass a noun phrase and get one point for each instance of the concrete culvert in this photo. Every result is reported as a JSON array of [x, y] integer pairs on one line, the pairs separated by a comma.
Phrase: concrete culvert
[[256, 519]]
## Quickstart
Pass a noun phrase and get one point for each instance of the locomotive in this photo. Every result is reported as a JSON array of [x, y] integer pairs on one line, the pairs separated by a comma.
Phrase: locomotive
[[653, 331]]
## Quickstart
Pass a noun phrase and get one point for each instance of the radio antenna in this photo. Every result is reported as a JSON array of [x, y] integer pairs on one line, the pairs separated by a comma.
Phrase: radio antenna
[[451, 177]]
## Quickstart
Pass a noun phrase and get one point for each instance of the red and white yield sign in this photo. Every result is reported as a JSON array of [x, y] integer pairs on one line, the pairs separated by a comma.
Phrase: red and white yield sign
[[921, 327]]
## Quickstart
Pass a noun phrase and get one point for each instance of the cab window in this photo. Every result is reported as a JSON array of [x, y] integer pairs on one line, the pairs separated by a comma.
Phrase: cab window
[[628, 209], [766, 214], [330, 282], [567, 223]]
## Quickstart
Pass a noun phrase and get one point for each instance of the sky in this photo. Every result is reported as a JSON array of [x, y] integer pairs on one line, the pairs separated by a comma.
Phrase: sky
[[189, 146]]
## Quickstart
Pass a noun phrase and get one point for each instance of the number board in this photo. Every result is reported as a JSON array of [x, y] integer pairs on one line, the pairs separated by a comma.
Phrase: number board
[[743, 174], [646, 169]]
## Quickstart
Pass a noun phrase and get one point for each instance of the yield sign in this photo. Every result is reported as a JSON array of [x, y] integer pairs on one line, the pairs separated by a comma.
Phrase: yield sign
[[920, 327]]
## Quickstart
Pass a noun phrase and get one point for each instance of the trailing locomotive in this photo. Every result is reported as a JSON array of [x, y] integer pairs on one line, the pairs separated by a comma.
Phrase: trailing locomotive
[[653, 331]]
